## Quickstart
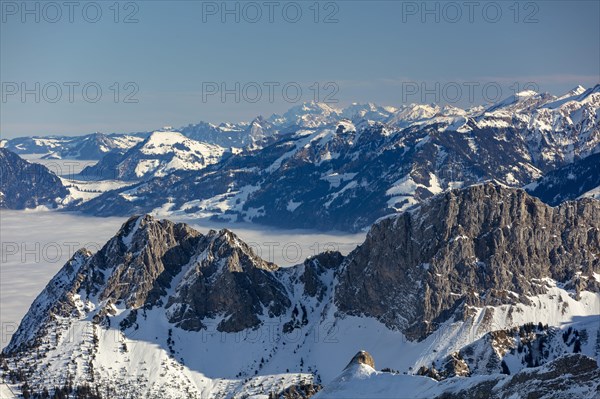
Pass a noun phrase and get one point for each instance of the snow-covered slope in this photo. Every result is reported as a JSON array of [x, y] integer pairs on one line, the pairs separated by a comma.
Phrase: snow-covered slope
[[578, 179], [572, 376], [363, 381], [235, 136], [163, 152], [369, 111], [561, 128], [308, 115], [344, 169], [169, 312], [89, 147]]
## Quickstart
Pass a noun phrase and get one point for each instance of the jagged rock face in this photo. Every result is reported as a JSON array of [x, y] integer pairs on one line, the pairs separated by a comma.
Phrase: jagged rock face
[[509, 351], [142, 260], [300, 391], [145, 294], [474, 247], [569, 376], [227, 279], [26, 185], [137, 269], [314, 268]]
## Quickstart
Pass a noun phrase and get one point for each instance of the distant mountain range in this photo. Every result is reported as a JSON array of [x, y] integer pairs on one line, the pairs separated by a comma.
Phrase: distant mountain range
[[540, 112], [324, 168], [89, 147], [337, 170], [479, 292]]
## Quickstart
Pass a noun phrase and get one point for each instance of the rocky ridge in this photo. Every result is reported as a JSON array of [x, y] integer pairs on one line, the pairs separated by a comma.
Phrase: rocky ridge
[[457, 273], [26, 185]]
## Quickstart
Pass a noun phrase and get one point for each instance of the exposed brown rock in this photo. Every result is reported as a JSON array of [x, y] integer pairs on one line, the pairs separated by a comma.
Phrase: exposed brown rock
[[362, 357]]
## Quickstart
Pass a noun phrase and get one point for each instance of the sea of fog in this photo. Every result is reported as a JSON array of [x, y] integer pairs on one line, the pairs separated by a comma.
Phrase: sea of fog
[[35, 245]]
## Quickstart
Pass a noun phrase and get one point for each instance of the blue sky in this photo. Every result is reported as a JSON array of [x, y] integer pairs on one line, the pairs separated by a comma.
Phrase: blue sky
[[388, 52]]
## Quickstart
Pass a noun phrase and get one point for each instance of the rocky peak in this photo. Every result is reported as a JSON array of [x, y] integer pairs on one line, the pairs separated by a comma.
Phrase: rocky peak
[[227, 284], [198, 278], [143, 258], [362, 357], [233, 254]]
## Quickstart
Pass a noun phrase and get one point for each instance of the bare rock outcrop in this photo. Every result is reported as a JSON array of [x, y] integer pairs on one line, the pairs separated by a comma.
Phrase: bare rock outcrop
[[362, 357], [483, 245], [227, 280]]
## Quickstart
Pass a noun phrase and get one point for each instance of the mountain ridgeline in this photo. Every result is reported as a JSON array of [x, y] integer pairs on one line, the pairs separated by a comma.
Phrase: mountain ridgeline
[[26, 185], [476, 260], [323, 168], [88, 147], [484, 245]]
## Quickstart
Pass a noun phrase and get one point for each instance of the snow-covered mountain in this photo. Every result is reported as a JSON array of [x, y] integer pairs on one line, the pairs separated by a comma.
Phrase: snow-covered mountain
[[245, 135], [308, 115], [469, 286], [261, 131], [578, 179], [347, 173], [321, 167], [25, 185], [558, 129], [554, 380], [163, 152], [372, 112], [573, 115], [89, 147]]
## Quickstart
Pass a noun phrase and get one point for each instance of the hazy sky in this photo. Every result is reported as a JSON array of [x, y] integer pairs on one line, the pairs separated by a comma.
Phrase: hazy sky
[[169, 63]]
